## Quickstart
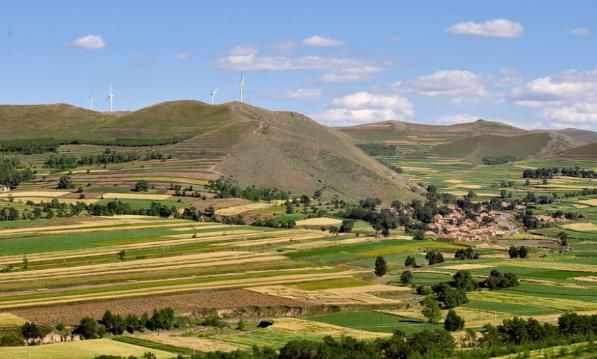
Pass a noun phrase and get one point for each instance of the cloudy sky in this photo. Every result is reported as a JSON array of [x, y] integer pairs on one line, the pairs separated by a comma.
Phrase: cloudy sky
[[529, 63]]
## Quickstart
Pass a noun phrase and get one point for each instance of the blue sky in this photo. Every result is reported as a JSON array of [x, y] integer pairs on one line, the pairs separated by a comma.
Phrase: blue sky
[[529, 63]]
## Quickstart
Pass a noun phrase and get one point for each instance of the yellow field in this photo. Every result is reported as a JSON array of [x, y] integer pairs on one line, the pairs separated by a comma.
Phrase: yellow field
[[590, 202], [86, 349], [147, 196], [582, 227], [234, 210], [47, 194], [169, 179], [10, 320], [203, 345], [559, 304], [323, 221], [336, 296]]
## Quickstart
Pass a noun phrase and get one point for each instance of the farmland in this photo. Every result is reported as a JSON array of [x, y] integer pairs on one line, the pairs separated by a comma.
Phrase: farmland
[[140, 236]]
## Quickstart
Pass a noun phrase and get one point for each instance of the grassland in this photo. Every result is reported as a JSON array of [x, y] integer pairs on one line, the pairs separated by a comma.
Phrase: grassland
[[79, 350]]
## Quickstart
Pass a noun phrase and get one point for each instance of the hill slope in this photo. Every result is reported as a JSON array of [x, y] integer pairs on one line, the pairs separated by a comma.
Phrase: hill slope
[[586, 152], [521, 147], [256, 146], [390, 131], [581, 135]]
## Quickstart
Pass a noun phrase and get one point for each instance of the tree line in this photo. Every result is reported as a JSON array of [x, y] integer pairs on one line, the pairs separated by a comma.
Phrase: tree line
[[228, 187], [44, 145], [511, 336], [65, 161], [554, 171]]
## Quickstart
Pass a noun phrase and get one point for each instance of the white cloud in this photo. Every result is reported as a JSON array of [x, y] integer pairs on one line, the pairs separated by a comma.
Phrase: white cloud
[[303, 94], [569, 96], [242, 58], [350, 74], [364, 107], [459, 86], [92, 42], [503, 28], [182, 56], [579, 31], [317, 40]]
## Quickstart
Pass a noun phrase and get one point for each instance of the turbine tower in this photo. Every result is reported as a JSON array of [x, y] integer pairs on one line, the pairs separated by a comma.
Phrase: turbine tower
[[213, 93], [110, 98], [91, 100], [242, 86]]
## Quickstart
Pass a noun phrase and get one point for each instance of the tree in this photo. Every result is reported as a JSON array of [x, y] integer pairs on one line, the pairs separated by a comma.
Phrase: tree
[[431, 310], [381, 267], [434, 257], [30, 331], [447, 295], [141, 186], [513, 252], [523, 252], [410, 261], [65, 182], [563, 236], [121, 255], [406, 277], [25, 263], [468, 253], [453, 321], [419, 235], [464, 280], [88, 328], [289, 207], [346, 226]]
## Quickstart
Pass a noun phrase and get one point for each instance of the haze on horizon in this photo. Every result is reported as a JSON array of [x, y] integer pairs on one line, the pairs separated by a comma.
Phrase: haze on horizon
[[529, 64]]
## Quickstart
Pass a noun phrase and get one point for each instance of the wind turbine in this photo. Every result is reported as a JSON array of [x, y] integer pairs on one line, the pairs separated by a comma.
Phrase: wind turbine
[[110, 98], [213, 93], [242, 86], [91, 100]]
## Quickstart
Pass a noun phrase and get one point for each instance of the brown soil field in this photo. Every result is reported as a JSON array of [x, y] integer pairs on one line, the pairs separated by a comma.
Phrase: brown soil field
[[224, 299], [171, 289]]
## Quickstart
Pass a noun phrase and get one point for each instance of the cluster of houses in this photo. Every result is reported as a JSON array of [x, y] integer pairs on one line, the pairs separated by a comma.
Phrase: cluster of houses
[[456, 225]]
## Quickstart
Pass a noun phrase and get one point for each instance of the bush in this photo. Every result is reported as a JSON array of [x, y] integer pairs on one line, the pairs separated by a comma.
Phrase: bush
[[434, 257], [410, 261], [65, 182], [11, 340], [453, 321], [88, 328], [381, 267], [141, 186], [406, 277]]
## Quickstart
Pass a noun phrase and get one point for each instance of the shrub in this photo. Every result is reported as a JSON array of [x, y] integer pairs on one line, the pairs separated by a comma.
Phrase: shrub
[[453, 321]]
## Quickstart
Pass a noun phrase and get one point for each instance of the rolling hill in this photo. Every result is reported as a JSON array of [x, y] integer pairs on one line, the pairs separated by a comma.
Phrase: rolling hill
[[473, 140], [254, 145], [396, 131], [525, 146]]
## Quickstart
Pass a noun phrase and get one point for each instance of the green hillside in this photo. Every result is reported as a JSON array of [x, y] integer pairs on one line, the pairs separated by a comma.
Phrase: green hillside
[[521, 147], [256, 146]]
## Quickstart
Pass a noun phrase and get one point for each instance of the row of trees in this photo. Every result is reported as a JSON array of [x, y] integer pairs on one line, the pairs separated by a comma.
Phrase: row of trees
[[65, 161], [30, 146], [554, 171], [498, 159], [228, 187], [89, 328]]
